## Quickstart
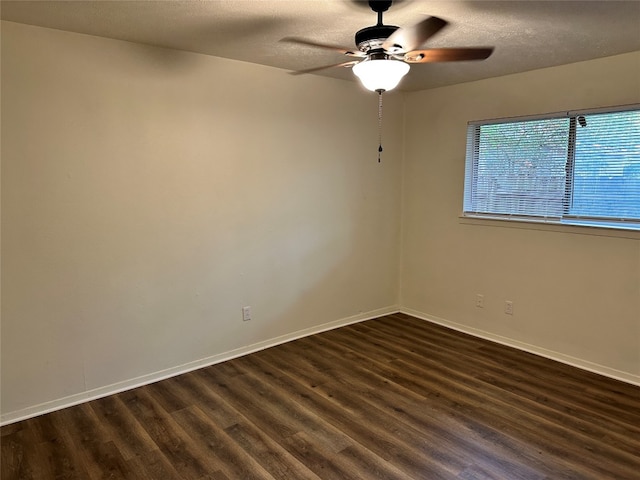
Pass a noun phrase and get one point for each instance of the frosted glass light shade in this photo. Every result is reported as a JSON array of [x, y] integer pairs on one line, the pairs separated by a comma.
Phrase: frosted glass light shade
[[382, 74]]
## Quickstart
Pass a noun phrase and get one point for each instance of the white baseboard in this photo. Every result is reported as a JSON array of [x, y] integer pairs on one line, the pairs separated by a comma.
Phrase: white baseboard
[[71, 400], [543, 352], [100, 392]]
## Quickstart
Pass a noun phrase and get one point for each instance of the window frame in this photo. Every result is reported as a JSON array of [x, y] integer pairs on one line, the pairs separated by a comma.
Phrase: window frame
[[566, 220]]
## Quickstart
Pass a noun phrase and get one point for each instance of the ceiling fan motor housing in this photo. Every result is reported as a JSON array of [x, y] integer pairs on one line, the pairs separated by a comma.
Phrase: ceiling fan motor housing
[[380, 6], [372, 38]]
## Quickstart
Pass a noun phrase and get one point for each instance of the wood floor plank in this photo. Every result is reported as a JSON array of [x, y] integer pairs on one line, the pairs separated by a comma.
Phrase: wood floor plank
[[151, 465], [226, 455], [18, 453], [174, 443], [371, 429], [92, 445], [531, 370], [393, 398], [271, 455], [405, 407], [318, 458], [460, 391], [558, 408], [276, 412], [58, 458], [123, 427]]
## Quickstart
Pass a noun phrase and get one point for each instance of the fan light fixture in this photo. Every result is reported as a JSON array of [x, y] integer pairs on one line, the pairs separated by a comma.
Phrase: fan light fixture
[[380, 74]]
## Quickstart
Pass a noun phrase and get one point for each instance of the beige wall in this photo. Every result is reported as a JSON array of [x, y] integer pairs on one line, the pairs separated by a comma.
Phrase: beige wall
[[149, 194], [576, 294]]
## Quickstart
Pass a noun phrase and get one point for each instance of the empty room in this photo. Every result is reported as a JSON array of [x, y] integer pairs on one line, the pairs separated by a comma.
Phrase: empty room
[[320, 239]]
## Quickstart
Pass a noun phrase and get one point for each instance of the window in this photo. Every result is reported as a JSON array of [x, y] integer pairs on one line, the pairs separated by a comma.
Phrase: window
[[575, 168]]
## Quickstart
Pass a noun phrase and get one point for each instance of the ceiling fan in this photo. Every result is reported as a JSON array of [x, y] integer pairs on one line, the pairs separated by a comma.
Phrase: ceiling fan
[[385, 52]]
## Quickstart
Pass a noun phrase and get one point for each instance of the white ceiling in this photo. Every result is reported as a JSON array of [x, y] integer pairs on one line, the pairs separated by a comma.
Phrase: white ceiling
[[526, 34]]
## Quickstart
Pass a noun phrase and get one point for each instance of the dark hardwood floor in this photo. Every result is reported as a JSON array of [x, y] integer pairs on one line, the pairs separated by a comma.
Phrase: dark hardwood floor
[[391, 398]]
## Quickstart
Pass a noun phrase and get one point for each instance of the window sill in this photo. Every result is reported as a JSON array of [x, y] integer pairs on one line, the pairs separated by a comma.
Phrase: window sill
[[568, 226]]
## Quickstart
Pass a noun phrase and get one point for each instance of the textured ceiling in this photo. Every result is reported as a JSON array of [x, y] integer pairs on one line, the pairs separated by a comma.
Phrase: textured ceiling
[[526, 34]]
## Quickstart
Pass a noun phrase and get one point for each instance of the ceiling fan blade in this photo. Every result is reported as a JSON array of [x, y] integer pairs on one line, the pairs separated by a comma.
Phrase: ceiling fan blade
[[447, 55], [315, 69], [335, 48], [409, 38]]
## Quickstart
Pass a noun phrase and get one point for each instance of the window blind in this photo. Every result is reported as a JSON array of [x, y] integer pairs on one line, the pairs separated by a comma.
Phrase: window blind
[[606, 172], [558, 168]]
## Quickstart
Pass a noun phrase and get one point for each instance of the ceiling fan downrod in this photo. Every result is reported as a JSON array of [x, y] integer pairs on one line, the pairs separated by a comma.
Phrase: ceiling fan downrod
[[379, 123], [380, 6]]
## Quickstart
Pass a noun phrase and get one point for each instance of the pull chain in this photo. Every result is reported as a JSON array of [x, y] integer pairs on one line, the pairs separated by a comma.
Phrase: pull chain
[[379, 123]]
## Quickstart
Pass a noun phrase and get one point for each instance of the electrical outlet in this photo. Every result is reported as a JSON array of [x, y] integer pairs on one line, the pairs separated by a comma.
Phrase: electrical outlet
[[508, 307], [480, 300], [246, 314]]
